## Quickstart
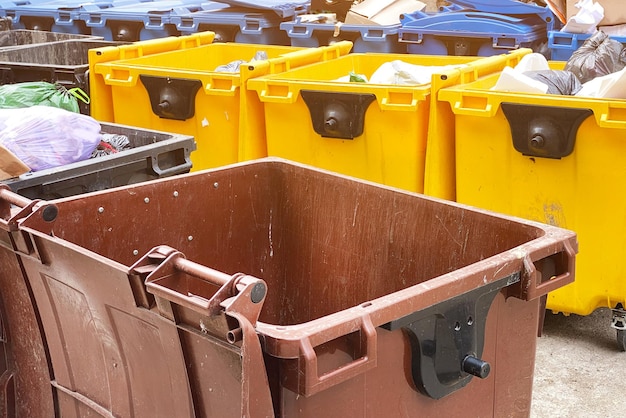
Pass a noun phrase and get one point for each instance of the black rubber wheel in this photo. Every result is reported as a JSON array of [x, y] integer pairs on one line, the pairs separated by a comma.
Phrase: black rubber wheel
[[621, 339]]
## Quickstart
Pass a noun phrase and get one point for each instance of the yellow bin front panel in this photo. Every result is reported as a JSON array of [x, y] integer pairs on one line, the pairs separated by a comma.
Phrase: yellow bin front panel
[[580, 191], [215, 120], [391, 148]]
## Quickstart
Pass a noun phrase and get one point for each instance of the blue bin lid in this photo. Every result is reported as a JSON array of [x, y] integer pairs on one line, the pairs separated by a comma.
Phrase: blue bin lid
[[280, 7], [473, 24], [222, 14], [510, 8], [137, 10]]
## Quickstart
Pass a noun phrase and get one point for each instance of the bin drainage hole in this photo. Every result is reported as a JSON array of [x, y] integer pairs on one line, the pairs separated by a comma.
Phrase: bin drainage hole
[[457, 326]]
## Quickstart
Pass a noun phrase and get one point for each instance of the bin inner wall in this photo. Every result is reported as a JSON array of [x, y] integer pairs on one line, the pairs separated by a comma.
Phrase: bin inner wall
[[322, 243]]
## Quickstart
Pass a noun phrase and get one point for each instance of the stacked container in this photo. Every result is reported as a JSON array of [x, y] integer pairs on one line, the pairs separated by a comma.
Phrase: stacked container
[[377, 132], [184, 91], [477, 28], [554, 159], [290, 291]]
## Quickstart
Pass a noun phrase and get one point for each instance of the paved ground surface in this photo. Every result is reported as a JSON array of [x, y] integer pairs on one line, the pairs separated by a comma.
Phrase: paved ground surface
[[579, 370]]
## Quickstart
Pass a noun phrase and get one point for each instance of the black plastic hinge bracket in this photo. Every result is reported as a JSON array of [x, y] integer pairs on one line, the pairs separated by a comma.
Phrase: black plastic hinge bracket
[[544, 131], [337, 115], [447, 339], [171, 98]]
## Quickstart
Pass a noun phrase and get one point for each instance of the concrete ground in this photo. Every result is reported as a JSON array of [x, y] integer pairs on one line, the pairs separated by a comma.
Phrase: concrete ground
[[579, 369]]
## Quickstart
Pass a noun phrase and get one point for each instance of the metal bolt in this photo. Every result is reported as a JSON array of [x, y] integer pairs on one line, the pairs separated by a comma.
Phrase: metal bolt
[[100, 209], [331, 122], [537, 141]]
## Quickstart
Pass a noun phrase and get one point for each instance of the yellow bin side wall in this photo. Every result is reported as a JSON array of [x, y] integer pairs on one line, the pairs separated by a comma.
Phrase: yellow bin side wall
[[580, 192], [390, 151], [215, 124]]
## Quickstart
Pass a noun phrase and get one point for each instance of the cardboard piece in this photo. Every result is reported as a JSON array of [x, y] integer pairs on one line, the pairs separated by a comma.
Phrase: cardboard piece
[[381, 12], [614, 11], [10, 165]]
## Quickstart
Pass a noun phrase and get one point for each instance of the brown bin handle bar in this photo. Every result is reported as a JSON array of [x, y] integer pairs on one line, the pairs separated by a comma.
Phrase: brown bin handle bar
[[240, 297], [46, 212], [237, 293]]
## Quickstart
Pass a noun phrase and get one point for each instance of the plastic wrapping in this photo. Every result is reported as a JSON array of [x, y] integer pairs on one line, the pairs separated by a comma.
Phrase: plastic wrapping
[[233, 66], [400, 72], [558, 82], [111, 144], [46, 137], [597, 56], [37, 93]]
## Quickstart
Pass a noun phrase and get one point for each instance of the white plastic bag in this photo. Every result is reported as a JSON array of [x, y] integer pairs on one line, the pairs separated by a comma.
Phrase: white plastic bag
[[610, 86], [513, 79], [400, 72], [46, 137]]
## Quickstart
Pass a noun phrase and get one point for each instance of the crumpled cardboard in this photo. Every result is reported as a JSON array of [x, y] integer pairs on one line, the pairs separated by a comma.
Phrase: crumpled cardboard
[[10, 165], [381, 12], [614, 11], [587, 19]]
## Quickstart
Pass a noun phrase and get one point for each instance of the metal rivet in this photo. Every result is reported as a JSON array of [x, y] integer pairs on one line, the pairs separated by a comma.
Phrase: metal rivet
[[216, 185], [457, 326], [175, 194], [147, 200], [135, 252], [101, 209], [189, 238]]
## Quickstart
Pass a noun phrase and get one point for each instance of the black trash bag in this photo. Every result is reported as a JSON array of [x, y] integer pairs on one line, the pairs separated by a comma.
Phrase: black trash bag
[[597, 56], [558, 81]]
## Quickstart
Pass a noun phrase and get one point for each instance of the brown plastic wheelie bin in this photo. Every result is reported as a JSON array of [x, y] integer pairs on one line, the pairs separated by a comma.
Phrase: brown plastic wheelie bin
[[24, 367], [269, 288]]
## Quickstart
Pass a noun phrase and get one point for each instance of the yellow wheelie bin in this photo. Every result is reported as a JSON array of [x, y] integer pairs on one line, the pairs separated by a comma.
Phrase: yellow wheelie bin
[[555, 159], [192, 86]]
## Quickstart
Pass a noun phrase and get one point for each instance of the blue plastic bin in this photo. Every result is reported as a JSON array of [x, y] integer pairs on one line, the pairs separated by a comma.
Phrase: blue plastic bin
[[284, 9], [231, 24], [137, 21], [461, 30], [366, 38], [563, 44], [61, 16], [510, 8]]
